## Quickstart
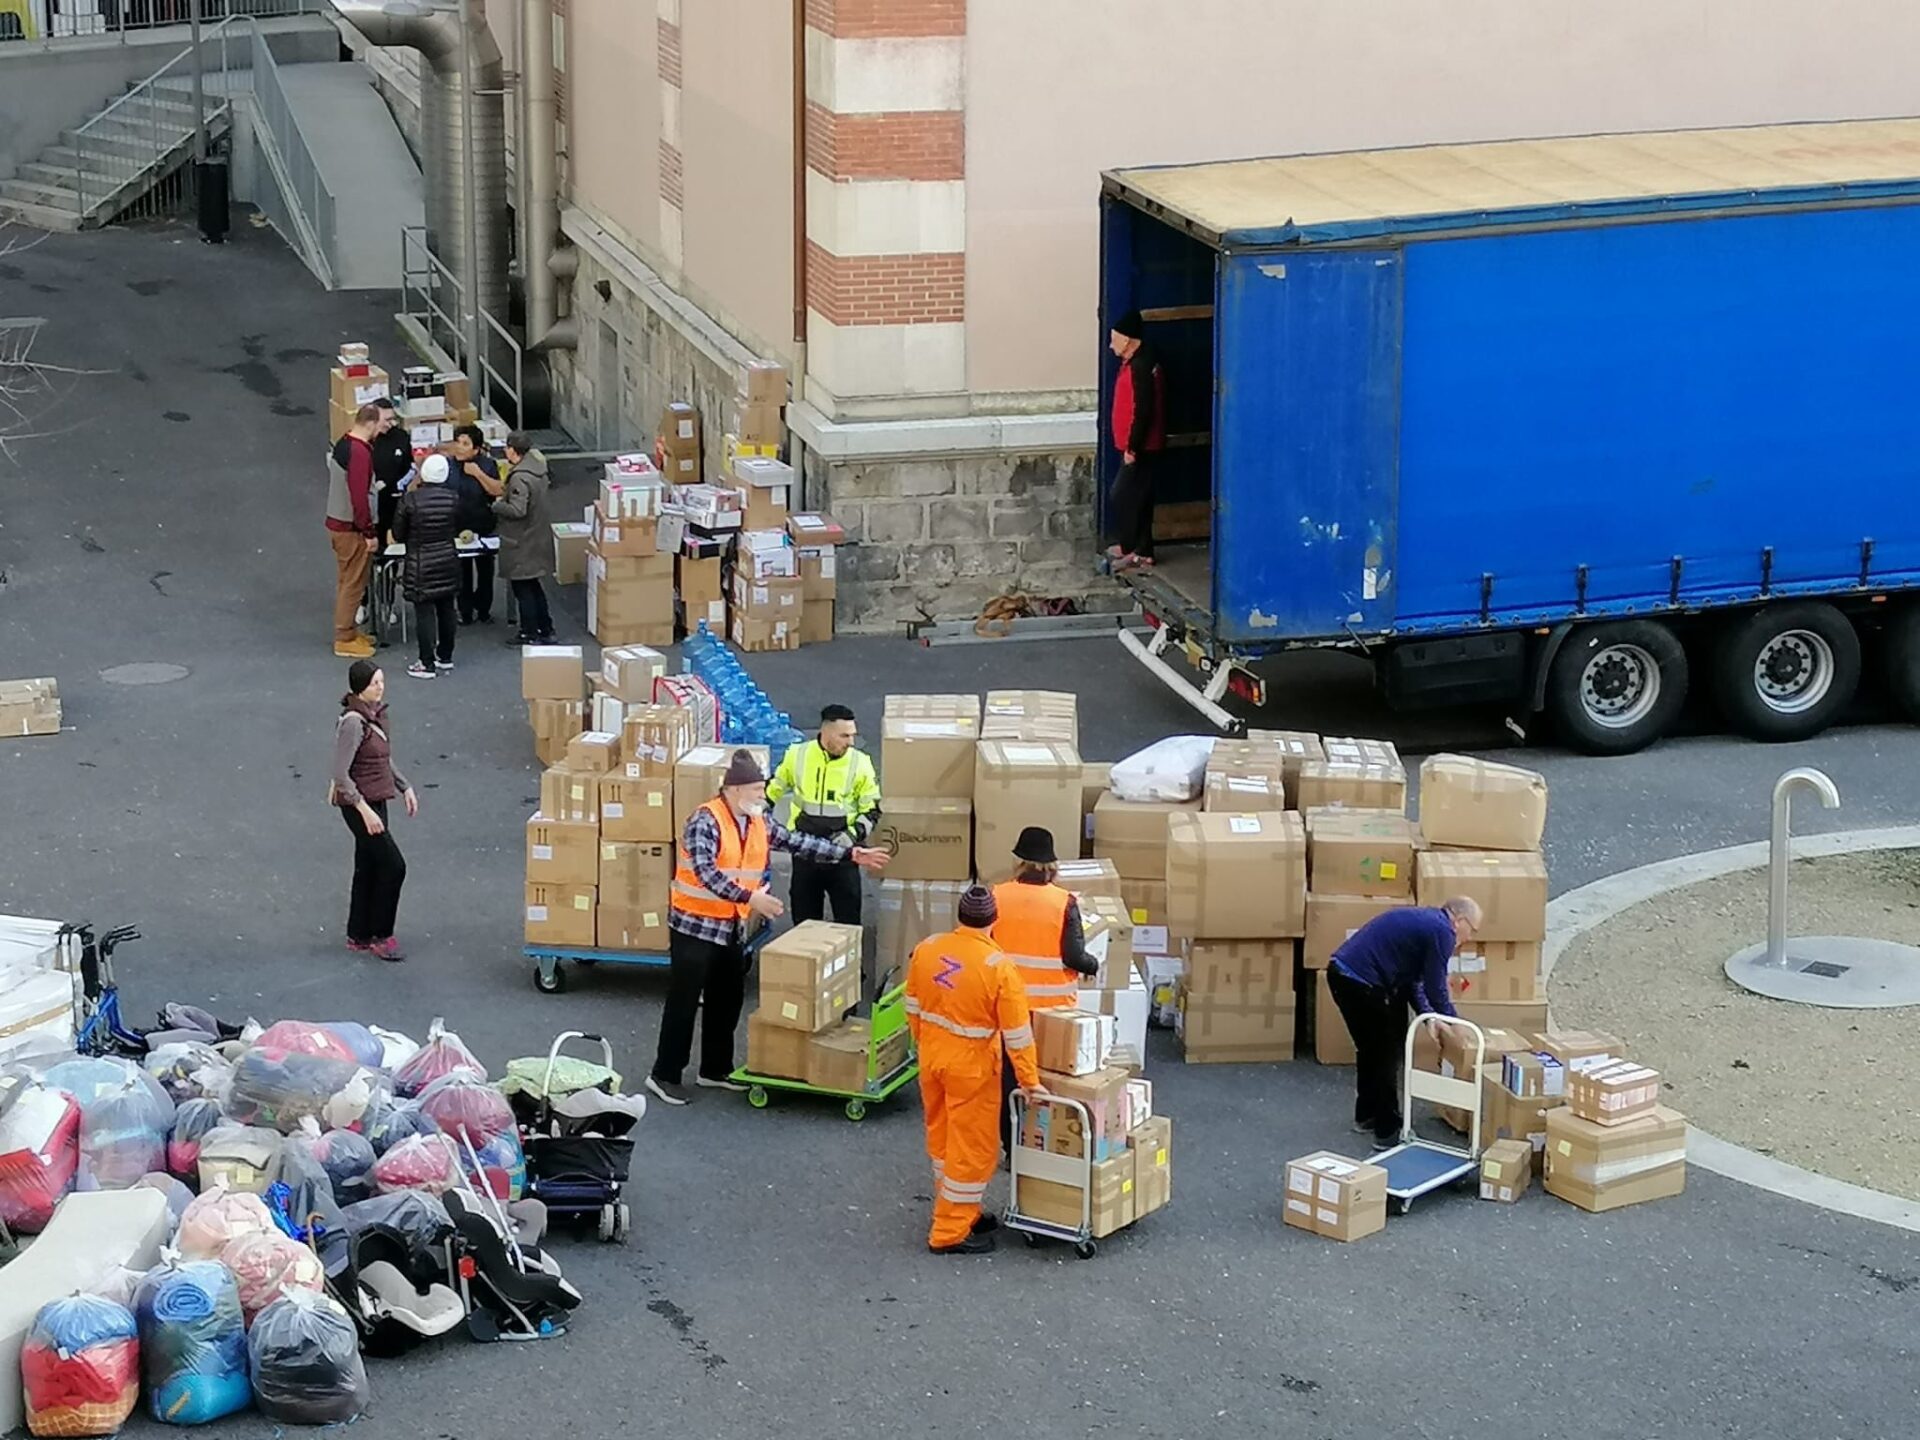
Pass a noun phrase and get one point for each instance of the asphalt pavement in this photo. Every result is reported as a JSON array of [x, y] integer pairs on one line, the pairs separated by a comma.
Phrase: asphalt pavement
[[170, 515]]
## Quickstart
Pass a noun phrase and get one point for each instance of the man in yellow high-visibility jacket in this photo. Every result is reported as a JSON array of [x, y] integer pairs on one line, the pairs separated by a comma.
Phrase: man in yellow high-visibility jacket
[[836, 796]]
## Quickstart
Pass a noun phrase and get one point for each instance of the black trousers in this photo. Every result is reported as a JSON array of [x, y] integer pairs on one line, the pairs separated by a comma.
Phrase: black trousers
[[708, 977], [476, 587], [815, 884], [536, 621], [1133, 505], [379, 870], [434, 628], [1377, 1022]]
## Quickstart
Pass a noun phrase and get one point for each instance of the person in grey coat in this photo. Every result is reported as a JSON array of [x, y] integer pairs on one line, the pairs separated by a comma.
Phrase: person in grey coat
[[526, 537], [426, 521]]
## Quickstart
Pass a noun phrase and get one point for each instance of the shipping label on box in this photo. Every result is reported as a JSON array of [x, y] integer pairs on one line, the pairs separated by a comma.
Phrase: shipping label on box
[[1133, 834], [1478, 805], [931, 757], [927, 839], [1510, 888], [1237, 876], [560, 914], [637, 809], [1021, 783], [1072, 1042], [810, 976], [1362, 852], [563, 852]]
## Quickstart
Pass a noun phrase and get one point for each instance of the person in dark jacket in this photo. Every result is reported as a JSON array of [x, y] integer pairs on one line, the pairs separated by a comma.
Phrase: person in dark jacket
[[426, 522], [351, 529], [392, 463], [471, 466], [526, 538], [1139, 419], [364, 781]]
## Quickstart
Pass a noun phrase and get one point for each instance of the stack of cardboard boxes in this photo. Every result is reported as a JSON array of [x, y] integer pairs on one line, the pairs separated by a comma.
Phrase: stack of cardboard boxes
[[1360, 864], [1114, 1156], [629, 561], [355, 381], [809, 980], [553, 682], [1131, 835], [928, 756]]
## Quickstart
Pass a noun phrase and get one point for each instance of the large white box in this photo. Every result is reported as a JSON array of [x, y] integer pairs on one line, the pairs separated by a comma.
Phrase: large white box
[[1128, 1008]]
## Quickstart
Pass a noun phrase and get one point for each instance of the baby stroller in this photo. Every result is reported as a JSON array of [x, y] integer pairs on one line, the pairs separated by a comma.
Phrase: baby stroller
[[574, 1127]]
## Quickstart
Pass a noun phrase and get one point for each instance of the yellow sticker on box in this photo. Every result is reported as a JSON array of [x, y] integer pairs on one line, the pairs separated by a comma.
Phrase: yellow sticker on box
[[790, 1011], [652, 918], [1389, 870], [608, 852], [654, 798], [1139, 917], [1160, 1156], [1566, 1148], [583, 902], [1126, 1187]]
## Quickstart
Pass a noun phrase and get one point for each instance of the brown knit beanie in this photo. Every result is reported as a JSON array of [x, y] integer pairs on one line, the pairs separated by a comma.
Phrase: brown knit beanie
[[978, 910]]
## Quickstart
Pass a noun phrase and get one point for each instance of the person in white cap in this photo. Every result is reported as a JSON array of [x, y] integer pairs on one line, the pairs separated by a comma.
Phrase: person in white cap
[[426, 521]]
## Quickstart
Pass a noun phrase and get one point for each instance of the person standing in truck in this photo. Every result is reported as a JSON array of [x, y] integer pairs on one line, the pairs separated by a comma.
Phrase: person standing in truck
[[1139, 421]]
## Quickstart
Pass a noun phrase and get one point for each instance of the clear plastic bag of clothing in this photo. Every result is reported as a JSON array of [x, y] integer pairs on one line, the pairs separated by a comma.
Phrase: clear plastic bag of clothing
[[304, 1356], [80, 1367], [192, 1120], [440, 1056], [123, 1134], [193, 1341]]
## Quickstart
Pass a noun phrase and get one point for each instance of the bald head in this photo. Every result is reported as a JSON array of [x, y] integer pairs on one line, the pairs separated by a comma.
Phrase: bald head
[[1466, 917]]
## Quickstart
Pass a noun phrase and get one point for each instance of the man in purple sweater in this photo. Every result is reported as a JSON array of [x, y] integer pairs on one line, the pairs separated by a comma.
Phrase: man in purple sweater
[[1396, 959]]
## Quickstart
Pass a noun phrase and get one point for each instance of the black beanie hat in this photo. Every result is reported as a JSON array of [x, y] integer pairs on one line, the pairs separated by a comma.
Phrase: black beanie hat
[[1131, 325], [978, 909], [360, 675], [743, 769]]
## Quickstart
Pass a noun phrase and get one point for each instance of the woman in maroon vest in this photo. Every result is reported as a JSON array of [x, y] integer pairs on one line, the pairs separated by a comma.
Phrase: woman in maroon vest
[[364, 780]]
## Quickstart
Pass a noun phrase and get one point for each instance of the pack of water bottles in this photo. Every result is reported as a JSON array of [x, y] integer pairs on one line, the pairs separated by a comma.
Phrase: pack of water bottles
[[746, 715]]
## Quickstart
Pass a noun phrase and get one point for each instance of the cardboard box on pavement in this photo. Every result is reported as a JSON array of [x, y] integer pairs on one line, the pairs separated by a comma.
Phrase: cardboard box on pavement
[[1516, 1117], [1246, 971], [928, 839], [1506, 1170], [1233, 1032], [560, 914], [1333, 919], [1362, 852], [1604, 1167], [1150, 1143], [1237, 876], [810, 975], [1018, 783], [1479, 805], [553, 672], [1510, 887], [1335, 1196], [570, 551], [1133, 834]]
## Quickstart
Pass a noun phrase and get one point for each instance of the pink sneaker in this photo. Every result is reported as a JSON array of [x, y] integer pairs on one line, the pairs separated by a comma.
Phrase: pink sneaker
[[388, 949], [360, 947]]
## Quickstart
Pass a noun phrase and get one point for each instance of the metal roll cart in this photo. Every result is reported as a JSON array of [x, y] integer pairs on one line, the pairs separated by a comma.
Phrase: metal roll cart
[[889, 1018], [1075, 1170], [1415, 1166]]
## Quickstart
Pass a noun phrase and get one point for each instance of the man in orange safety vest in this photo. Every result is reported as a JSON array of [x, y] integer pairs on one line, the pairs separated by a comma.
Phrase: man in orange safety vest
[[964, 1002]]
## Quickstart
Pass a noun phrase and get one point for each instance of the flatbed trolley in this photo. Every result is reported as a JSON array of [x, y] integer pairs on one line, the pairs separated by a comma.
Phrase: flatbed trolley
[[889, 1018], [1415, 1166], [550, 979], [1077, 1171]]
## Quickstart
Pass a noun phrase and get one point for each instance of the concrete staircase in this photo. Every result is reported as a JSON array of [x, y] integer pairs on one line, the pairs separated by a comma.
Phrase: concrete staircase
[[108, 163]]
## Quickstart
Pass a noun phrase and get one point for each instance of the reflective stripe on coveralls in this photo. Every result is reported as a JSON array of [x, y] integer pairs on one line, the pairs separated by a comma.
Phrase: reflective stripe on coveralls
[[743, 861], [1028, 932]]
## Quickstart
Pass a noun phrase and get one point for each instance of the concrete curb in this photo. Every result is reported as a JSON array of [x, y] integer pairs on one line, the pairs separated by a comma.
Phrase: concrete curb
[[1578, 911]]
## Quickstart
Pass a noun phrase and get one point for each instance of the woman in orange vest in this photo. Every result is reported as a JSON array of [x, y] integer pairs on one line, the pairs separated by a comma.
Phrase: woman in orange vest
[[964, 1002], [721, 881], [1039, 932]]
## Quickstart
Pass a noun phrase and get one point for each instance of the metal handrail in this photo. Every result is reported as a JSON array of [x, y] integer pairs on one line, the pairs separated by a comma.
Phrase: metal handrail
[[158, 18], [312, 202], [426, 279]]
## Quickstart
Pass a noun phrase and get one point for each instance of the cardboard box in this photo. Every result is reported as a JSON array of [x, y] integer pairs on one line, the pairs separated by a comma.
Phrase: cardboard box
[[1447, 1053], [553, 672], [819, 572], [699, 582], [652, 740], [1017, 783], [1247, 760], [1604, 1167], [560, 914], [635, 875], [1093, 784], [1146, 902], [933, 707], [1090, 877], [816, 622], [1580, 1049], [910, 911], [679, 425], [1237, 876], [929, 756], [1243, 794], [1333, 919], [634, 538], [1133, 834], [628, 671], [1031, 715], [636, 809], [760, 634], [1532, 1076], [350, 391], [1516, 1117], [1335, 1196], [622, 928], [814, 529], [1506, 1170], [928, 839], [760, 425], [567, 794], [1059, 1131], [1071, 1042], [1128, 1006], [1246, 972], [1614, 1093], [810, 976], [1362, 852], [1296, 747], [764, 382], [1108, 931], [1351, 784], [762, 508], [777, 1050], [776, 597], [570, 539], [554, 723], [1478, 805], [697, 773], [30, 707], [1332, 1041], [629, 612], [1511, 889], [1150, 1143], [1229, 1032], [622, 576], [1165, 977], [1495, 970], [563, 852], [837, 1057], [593, 752], [1111, 1201]]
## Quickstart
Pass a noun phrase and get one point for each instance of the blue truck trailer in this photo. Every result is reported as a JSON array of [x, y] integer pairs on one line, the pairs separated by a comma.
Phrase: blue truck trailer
[[1570, 425]]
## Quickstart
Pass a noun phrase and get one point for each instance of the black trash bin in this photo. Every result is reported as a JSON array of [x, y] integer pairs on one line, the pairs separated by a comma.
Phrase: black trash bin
[[210, 180]]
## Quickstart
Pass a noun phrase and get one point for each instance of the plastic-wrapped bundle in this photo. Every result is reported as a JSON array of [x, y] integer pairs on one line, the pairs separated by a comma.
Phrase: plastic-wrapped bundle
[[308, 1190], [347, 1108], [304, 1354], [177, 1195], [120, 1285], [217, 1219], [422, 1219], [361, 1042], [191, 1122], [503, 1165], [193, 1342], [441, 1055], [420, 1162], [400, 1120], [265, 1267], [396, 1049], [303, 1037], [188, 1071], [463, 1101], [39, 1154], [123, 1134], [280, 1088], [240, 1157], [346, 1157], [80, 1367]]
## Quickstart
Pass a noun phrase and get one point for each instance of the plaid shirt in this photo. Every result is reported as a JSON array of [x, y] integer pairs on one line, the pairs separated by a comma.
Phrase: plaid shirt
[[701, 840]]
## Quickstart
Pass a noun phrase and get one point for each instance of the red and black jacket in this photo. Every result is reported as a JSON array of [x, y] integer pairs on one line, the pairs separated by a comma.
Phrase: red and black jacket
[[1140, 403]]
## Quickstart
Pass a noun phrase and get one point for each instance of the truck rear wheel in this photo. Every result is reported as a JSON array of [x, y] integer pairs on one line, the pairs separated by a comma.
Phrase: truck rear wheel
[[1616, 688], [1903, 660], [1785, 672]]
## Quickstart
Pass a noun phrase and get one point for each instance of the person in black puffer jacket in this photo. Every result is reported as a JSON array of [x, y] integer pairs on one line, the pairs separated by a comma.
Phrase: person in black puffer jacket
[[426, 523]]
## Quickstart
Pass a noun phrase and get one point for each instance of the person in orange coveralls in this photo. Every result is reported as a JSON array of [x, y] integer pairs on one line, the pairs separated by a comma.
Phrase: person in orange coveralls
[[964, 1001]]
